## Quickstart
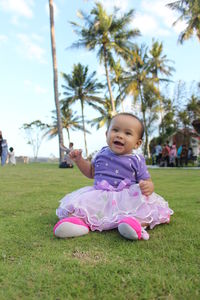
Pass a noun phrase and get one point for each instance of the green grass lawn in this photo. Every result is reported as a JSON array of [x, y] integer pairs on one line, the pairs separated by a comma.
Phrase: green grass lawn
[[36, 265]]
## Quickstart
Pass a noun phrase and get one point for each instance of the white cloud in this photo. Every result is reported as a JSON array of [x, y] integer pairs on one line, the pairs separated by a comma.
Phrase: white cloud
[[145, 23], [30, 49], [37, 37], [3, 39], [40, 90], [110, 4], [163, 32], [27, 83], [160, 10], [18, 7], [163, 16], [15, 20], [179, 27], [148, 25]]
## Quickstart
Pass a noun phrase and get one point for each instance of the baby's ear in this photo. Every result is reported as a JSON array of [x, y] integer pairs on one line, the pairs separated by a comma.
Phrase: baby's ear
[[138, 144]]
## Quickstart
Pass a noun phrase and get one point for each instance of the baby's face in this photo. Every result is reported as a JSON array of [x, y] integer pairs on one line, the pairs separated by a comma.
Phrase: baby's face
[[123, 134]]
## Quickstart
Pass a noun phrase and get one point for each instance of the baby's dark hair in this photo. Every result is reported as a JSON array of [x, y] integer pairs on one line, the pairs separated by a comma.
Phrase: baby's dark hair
[[11, 149], [131, 115]]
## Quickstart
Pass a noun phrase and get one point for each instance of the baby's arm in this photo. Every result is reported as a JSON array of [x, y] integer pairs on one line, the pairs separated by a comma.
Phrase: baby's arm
[[84, 165], [146, 186]]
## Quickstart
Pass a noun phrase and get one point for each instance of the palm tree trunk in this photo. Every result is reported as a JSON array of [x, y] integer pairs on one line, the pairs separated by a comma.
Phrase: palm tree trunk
[[155, 76], [68, 135], [84, 132], [55, 79], [161, 109], [108, 80], [122, 101], [146, 148]]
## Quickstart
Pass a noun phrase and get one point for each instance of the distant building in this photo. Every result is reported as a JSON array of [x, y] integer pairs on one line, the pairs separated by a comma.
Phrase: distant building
[[189, 137]]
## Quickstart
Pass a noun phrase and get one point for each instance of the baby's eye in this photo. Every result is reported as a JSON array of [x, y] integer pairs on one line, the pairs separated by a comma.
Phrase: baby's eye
[[128, 133], [115, 129]]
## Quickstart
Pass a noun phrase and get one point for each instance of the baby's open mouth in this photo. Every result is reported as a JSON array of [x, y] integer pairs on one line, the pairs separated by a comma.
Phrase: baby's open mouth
[[117, 143]]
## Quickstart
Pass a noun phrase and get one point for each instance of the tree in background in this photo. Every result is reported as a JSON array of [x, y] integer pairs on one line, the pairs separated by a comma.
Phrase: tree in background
[[34, 135], [181, 112], [55, 79], [83, 87], [150, 109], [160, 67], [193, 107], [105, 111], [139, 82], [159, 63], [184, 120], [117, 79], [189, 11], [169, 123], [107, 33], [69, 122], [186, 101]]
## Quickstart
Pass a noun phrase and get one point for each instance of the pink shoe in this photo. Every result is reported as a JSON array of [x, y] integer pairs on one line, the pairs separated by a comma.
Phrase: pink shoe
[[131, 229], [70, 227]]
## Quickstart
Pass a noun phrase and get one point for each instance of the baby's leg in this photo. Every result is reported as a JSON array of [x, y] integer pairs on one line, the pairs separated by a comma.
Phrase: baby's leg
[[70, 227]]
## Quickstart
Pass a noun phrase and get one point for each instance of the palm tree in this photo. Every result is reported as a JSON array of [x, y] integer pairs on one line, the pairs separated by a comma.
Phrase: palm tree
[[189, 11], [149, 108], [159, 63], [159, 66], [107, 33], [184, 118], [105, 111], [139, 81], [69, 122], [80, 86], [193, 108], [55, 76], [169, 123], [118, 80]]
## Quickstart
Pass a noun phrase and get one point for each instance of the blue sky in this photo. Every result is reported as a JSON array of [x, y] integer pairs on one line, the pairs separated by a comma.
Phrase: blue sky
[[26, 92]]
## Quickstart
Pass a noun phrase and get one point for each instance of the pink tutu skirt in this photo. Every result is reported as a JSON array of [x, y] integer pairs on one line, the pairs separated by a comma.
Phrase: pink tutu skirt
[[102, 209]]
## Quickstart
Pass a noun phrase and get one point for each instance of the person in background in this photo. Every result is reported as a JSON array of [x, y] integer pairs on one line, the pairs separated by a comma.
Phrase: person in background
[[4, 154], [158, 153], [184, 155], [67, 161], [168, 152], [178, 156], [153, 156], [165, 155], [172, 155], [11, 156], [71, 146], [190, 153]]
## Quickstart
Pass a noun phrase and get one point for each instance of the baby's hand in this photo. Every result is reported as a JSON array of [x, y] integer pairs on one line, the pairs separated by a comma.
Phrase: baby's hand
[[146, 187], [75, 155]]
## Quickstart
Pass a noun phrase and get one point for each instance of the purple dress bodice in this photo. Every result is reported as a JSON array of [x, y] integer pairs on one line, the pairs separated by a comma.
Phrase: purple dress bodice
[[116, 168]]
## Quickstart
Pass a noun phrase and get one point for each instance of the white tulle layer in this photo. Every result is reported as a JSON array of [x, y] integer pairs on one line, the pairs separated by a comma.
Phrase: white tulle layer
[[102, 209]]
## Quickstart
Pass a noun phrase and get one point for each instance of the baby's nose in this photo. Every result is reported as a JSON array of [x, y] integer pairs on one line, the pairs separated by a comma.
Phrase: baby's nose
[[120, 135]]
